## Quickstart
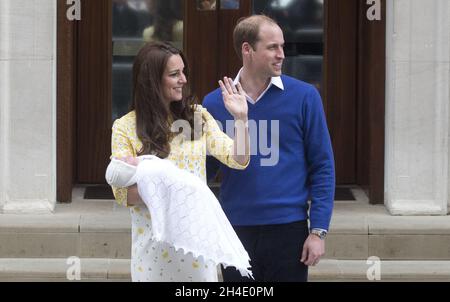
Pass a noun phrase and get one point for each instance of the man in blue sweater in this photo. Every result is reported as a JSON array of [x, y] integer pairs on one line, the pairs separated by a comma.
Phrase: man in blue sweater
[[268, 203]]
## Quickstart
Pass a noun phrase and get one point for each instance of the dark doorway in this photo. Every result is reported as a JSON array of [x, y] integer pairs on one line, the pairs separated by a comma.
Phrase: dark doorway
[[340, 58]]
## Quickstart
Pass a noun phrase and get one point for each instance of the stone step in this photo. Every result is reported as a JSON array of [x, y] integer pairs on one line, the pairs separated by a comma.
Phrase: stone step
[[84, 235], [107, 235], [47, 270], [385, 271], [100, 229], [359, 231], [118, 270]]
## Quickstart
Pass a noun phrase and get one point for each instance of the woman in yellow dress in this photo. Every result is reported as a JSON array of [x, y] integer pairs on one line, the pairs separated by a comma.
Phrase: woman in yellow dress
[[161, 99]]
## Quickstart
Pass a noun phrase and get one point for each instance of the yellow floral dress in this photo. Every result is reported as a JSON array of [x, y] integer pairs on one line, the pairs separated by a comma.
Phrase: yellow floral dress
[[156, 261]]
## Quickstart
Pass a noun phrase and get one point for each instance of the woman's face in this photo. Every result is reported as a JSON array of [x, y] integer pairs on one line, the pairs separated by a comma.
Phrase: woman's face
[[173, 79]]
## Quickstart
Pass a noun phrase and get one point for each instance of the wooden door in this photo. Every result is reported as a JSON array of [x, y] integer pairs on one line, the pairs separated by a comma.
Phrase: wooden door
[[209, 44], [211, 53], [356, 126], [209, 48], [340, 78], [93, 108]]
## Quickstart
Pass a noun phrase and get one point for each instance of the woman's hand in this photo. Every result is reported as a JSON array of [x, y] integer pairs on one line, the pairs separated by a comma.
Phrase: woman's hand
[[234, 99], [133, 197]]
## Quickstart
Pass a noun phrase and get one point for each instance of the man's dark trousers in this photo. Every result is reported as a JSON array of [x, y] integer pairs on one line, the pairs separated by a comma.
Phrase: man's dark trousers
[[275, 252]]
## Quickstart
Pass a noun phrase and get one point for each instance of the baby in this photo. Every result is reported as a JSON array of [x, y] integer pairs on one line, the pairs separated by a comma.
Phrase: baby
[[175, 196], [122, 173]]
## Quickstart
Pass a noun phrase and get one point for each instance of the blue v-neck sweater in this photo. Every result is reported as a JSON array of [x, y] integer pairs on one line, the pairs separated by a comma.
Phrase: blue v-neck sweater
[[288, 166]]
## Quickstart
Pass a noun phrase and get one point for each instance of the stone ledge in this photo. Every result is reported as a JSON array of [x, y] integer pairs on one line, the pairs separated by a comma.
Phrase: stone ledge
[[56, 269], [356, 270], [62, 245], [39, 223], [377, 224], [66, 223], [93, 270]]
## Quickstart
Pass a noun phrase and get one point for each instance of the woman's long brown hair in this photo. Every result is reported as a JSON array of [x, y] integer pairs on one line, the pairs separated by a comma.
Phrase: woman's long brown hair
[[153, 112]]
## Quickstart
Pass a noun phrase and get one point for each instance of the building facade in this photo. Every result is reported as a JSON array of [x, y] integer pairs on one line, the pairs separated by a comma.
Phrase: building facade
[[52, 69], [28, 106]]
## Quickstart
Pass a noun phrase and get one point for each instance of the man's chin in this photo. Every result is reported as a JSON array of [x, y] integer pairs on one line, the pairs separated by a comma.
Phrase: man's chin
[[277, 73]]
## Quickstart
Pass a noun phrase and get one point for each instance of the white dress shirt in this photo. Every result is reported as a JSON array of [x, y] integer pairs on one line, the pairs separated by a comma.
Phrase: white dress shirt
[[274, 81]]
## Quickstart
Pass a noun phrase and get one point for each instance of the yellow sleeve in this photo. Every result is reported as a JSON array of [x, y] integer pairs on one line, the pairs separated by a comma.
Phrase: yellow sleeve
[[120, 147], [219, 144]]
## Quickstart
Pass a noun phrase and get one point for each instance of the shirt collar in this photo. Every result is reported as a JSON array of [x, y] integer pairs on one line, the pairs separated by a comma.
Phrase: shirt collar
[[274, 80]]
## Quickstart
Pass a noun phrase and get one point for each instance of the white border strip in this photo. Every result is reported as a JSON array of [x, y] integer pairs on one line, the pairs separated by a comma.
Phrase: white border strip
[[4, 100], [53, 180]]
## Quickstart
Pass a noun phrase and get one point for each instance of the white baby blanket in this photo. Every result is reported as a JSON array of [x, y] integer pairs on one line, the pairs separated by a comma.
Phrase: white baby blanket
[[185, 213]]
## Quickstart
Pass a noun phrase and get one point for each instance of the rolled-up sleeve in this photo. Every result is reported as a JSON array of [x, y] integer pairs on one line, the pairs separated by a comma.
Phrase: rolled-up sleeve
[[120, 147], [218, 144]]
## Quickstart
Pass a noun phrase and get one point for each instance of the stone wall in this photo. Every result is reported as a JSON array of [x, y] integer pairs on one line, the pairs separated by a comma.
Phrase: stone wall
[[27, 106], [417, 107]]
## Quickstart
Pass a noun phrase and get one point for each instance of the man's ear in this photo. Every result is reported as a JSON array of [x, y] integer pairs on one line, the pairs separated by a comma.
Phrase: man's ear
[[246, 48]]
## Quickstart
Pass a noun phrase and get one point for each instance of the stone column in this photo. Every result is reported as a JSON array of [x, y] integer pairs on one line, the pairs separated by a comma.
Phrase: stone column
[[27, 106], [417, 107]]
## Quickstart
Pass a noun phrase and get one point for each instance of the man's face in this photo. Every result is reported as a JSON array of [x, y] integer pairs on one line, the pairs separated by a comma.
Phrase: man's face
[[268, 55]]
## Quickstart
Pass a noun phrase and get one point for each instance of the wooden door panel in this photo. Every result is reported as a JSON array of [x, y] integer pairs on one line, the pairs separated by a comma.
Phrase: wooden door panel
[[350, 67], [94, 95], [201, 44], [66, 99], [371, 102], [209, 45], [211, 55], [340, 82], [229, 62]]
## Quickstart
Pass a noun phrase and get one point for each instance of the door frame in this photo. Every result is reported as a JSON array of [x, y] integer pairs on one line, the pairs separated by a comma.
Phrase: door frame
[[340, 82], [371, 102], [216, 27], [370, 96], [369, 90], [94, 91], [66, 91]]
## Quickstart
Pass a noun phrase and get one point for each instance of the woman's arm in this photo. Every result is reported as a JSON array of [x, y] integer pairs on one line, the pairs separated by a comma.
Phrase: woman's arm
[[241, 145], [133, 197], [122, 149]]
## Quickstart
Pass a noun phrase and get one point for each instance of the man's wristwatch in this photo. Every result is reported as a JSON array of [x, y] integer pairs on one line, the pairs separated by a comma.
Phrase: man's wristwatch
[[319, 233]]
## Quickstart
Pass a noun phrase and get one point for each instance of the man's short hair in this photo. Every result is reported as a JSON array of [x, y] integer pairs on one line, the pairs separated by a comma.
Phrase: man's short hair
[[247, 30]]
